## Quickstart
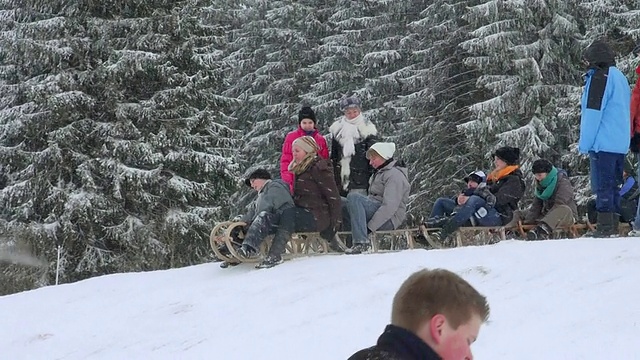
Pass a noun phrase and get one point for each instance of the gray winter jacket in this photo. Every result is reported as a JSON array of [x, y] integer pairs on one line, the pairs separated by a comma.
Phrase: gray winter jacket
[[274, 197], [390, 186]]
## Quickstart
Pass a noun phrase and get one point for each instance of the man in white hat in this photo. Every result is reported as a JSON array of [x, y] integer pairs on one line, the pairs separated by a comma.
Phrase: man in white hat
[[385, 208]]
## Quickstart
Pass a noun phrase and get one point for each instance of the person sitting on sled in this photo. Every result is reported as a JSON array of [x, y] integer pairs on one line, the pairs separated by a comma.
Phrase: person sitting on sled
[[317, 200], [505, 182], [444, 207], [553, 205], [265, 216], [385, 208]]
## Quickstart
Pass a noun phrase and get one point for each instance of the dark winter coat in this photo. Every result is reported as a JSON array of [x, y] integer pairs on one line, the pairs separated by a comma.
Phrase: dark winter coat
[[396, 343], [274, 197], [358, 168], [315, 189], [287, 152], [563, 195], [508, 191]]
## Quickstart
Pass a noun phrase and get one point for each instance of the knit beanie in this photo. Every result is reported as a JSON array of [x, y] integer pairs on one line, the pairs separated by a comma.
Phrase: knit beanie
[[508, 154], [258, 174], [307, 113], [306, 143], [350, 102]]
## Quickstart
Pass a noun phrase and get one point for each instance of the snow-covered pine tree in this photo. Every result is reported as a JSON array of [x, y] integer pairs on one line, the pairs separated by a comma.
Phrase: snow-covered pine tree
[[266, 53], [113, 127], [361, 56], [437, 89], [528, 59]]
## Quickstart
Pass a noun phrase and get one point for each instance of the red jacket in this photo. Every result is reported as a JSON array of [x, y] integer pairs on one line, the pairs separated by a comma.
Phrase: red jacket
[[635, 115], [635, 106], [287, 153]]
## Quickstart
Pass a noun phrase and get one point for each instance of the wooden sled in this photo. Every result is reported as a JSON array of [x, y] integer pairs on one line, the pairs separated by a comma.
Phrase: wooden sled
[[464, 236], [306, 244], [574, 231], [300, 245]]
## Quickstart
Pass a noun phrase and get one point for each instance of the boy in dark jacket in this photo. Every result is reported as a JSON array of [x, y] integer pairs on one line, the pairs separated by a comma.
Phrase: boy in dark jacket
[[445, 207], [435, 315], [553, 205]]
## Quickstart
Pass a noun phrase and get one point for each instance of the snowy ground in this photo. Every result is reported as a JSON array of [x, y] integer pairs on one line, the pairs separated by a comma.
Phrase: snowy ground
[[562, 299]]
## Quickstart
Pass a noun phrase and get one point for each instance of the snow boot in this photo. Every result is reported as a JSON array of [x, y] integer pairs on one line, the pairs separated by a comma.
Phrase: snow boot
[[270, 261], [436, 222], [248, 252], [540, 232], [357, 249], [226, 264], [606, 227], [616, 224], [444, 236]]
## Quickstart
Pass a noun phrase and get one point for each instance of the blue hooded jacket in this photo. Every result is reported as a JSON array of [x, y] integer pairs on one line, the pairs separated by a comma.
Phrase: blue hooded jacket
[[606, 102]]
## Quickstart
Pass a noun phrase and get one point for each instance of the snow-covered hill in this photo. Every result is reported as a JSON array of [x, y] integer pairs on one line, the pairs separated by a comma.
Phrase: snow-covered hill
[[562, 299]]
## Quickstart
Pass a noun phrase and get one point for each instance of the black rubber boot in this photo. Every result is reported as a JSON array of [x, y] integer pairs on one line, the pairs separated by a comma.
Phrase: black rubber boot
[[444, 236], [540, 232], [616, 224], [605, 226]]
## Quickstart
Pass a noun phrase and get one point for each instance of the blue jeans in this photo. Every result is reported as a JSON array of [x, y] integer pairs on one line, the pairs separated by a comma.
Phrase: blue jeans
[[443, 207], [359, 210], [473, 204], [606, 175]]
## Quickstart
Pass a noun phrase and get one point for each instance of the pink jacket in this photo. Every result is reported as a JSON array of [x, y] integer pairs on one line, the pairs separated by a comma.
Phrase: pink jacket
[[287, 153]]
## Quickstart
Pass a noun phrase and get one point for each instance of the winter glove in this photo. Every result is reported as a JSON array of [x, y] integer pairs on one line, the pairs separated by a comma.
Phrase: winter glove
[[635, 143]]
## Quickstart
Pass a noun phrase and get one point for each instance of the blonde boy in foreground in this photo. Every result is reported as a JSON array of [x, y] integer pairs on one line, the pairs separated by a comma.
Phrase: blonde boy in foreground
[[436, 315]]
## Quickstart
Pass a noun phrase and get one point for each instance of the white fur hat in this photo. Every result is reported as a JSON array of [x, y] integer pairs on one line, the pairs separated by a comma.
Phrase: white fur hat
[[384, 149]]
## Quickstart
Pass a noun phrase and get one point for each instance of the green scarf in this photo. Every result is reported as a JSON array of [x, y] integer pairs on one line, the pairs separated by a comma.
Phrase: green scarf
[[547, 185]]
